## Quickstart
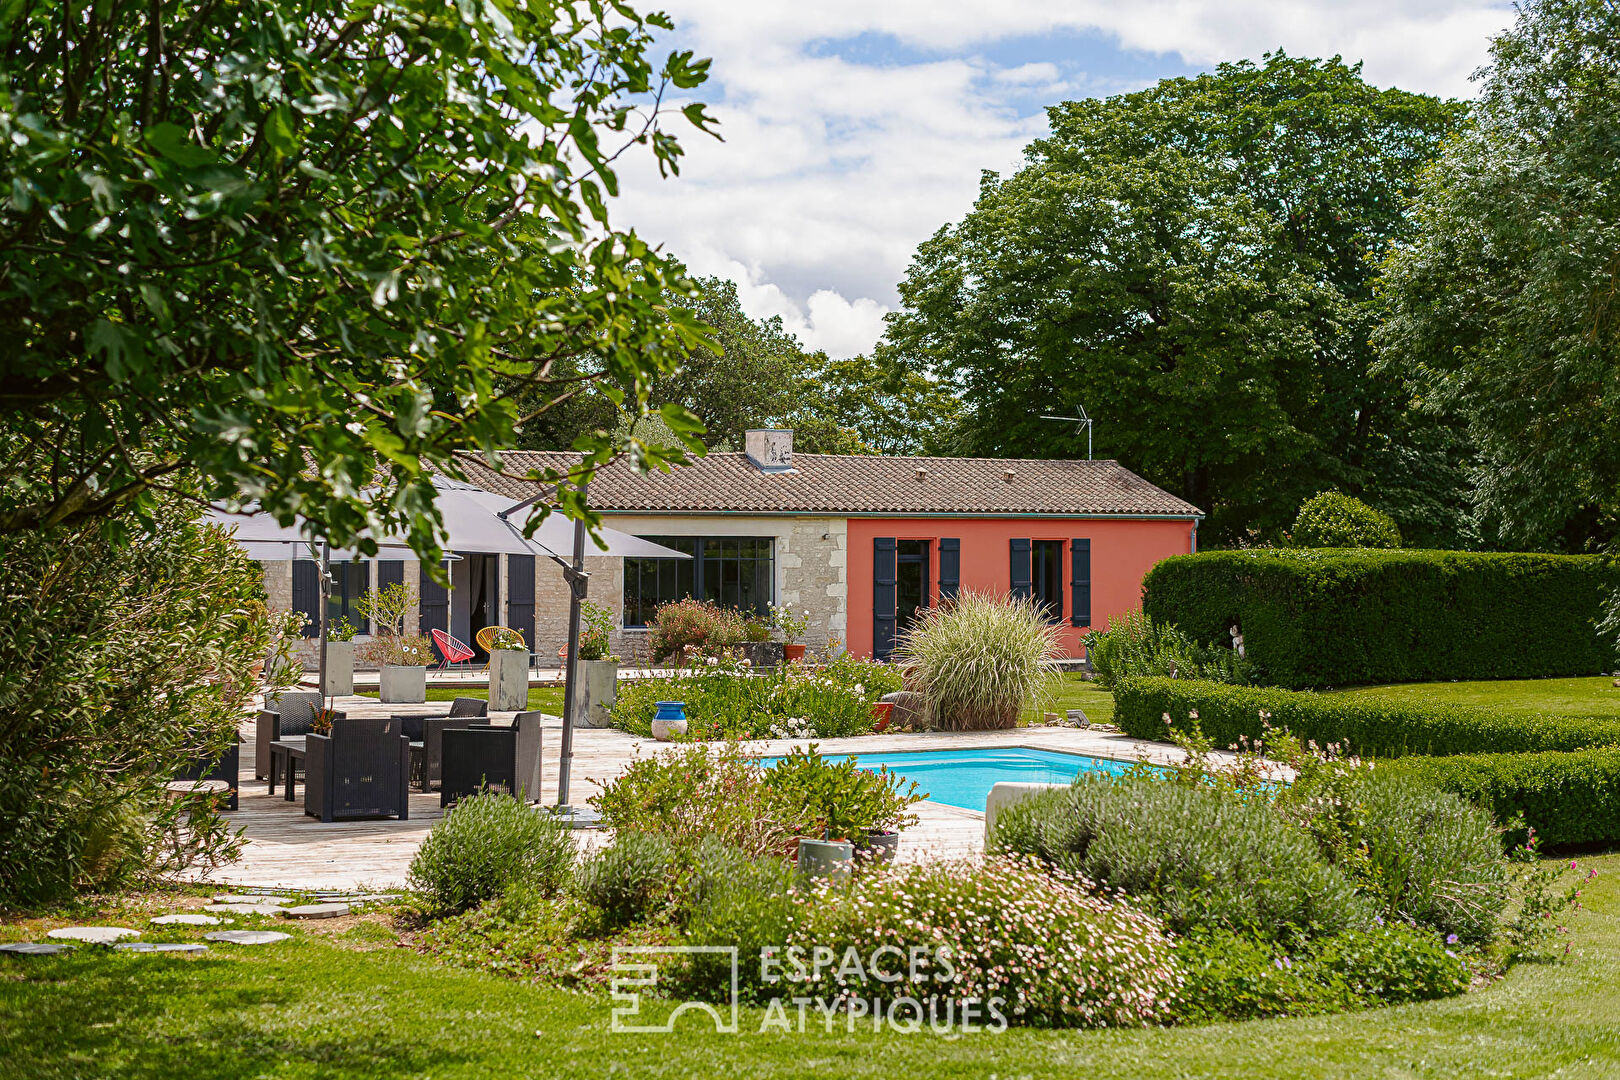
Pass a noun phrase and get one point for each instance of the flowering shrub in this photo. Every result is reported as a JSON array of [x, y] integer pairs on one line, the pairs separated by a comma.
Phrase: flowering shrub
[[727, 699], [690, 793], [815, 796], [1045, 942], [693, 627], [595, 624]]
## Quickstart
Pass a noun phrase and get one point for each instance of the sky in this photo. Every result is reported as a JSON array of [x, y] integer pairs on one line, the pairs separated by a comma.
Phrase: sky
[[852, 130]]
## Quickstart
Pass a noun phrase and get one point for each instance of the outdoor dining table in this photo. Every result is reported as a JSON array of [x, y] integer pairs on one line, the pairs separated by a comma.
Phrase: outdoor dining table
[[288, 752]]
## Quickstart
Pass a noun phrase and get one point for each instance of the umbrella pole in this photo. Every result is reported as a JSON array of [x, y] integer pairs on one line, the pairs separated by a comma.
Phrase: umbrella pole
[[578, 583], [326, 593]]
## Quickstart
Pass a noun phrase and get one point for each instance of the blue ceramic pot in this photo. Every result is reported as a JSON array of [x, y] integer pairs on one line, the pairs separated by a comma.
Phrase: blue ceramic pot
[[670, 710]]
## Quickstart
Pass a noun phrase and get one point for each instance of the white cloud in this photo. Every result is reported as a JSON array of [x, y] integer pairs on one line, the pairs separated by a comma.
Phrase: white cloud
[[838, 160]]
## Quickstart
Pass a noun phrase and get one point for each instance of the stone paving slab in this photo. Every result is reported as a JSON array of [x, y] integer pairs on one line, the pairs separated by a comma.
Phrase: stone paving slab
[[93, 935], [187, 919], [245, 909], [316, 911], [35, 948], [168, 947], [247, 937], [252, 898]]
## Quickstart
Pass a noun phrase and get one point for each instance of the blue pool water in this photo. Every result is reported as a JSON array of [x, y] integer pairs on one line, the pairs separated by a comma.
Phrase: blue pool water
[[964, 777]]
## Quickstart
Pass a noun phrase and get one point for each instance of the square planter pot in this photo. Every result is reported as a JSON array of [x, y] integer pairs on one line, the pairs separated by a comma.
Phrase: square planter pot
[[339, 668], [763, 654], [598, 690], [509, 680], [403, 685]]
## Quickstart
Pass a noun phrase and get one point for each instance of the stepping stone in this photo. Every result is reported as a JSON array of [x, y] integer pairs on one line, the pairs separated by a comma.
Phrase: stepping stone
[[93, 935], [250, 898], [36, 948], [187, 919], [316, 911], [373, 898], [247, 937], [245, 909], [147, 946]]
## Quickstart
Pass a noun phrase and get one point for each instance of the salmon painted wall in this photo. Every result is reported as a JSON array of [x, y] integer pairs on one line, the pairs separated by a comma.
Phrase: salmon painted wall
[[1122, 552]]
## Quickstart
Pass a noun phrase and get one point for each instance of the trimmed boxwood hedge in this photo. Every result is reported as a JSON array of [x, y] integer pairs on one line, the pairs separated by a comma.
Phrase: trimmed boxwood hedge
[[1571, 800], [1335, 617], [1365, 726]]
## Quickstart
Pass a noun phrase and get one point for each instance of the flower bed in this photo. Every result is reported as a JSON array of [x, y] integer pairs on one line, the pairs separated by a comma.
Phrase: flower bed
[[727, 699]]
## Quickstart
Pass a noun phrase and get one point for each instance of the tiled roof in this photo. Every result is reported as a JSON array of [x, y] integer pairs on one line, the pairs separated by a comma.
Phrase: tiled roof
[[854, 484]]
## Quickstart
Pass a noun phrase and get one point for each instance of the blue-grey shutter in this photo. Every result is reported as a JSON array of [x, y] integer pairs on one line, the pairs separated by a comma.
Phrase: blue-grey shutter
[[950, 568], [1080, 582], [434, 603], [520, 596], [883, 597], [390, 572], [358, 581], [1019, 579], [306, 594]]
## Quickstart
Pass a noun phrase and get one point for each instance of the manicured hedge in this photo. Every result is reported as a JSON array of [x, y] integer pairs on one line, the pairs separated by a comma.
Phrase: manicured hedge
[[1345, 617], [1365, 726], [1569, 799]]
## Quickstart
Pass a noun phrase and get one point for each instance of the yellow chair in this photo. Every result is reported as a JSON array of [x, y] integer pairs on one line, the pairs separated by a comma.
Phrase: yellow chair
[[486, 639]]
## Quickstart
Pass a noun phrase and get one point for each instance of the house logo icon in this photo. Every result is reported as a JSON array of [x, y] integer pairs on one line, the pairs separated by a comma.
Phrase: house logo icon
[[635, 969]]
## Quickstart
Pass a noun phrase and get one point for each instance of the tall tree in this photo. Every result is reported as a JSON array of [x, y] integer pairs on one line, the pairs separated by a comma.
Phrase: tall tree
[[1192, 265], [1503, 306], [282, 242]]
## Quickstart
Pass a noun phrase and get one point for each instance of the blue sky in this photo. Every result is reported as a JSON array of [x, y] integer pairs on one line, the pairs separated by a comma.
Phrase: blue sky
[[854, 129]]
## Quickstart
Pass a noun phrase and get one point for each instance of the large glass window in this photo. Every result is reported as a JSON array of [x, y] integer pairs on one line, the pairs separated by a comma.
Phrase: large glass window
[[349, 581], [1046, 576], [732, 571]]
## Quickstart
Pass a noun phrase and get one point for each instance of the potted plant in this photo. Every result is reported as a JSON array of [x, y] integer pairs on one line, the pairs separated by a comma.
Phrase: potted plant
[[404, 660], [340, 658], [842, 803], [793, 628], [757, 645], [508, 671], [598, 668]]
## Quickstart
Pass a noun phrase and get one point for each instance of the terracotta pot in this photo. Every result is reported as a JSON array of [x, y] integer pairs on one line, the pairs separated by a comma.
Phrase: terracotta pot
[[793, 653], [882, 710]]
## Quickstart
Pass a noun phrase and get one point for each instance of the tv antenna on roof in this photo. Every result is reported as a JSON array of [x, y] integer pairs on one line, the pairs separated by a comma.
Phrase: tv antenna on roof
[[1083, 421]]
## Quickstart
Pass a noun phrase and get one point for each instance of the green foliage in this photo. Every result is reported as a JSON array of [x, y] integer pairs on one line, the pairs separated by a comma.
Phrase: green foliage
[[1329, 519], [728, 700], [342, 630], [1193, 261], [1500, 307], [388, 607], [689, 629], [1135, 646], [692, 792], [1361, 724], [812, 796], [752, 907], [484, 845], [1056, 952], [980, 660], [1342, 618], [1232, 976], [792, 626], [595, 626], [629, 879], [311, 267], [118, 668], [407, 650], [1427, 856], [1205, 858], [1569, 799]]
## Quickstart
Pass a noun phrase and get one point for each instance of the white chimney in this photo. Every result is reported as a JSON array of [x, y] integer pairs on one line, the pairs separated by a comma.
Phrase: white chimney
[[770, 449]]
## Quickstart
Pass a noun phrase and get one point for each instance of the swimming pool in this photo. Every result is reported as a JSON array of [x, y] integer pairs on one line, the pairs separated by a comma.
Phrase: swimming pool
[[964, 777]]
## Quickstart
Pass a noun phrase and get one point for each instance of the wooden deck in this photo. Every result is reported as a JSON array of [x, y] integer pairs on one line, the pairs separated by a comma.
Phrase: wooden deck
[[287, 849]]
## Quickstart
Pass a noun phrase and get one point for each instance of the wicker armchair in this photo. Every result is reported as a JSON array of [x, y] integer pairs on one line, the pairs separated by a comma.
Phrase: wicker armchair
[[289, 713], [362, 769], [485, 758]]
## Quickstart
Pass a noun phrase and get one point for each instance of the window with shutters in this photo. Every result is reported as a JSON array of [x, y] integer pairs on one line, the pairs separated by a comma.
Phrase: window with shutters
[[349, 583], [1046, 576], [732, 571]]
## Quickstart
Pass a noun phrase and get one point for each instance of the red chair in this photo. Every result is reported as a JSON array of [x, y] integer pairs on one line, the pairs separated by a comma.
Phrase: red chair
[[454, 651]]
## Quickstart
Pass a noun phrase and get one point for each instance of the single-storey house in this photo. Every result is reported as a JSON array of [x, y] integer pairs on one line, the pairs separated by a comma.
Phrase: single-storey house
[[860, 543]]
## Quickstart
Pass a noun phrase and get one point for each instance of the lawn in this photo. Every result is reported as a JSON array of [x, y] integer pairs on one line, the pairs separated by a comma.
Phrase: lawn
[[1559, 697], [353, 1005], [547, 699]]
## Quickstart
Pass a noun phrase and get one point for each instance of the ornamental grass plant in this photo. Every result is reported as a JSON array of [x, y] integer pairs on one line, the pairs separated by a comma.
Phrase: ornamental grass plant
[[979, 660]]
